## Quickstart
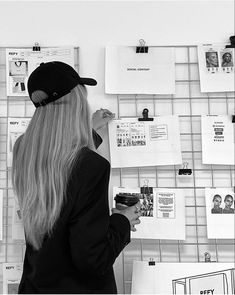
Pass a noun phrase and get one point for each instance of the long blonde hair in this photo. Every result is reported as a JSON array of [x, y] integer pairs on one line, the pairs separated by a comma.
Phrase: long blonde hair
[[43, 159]]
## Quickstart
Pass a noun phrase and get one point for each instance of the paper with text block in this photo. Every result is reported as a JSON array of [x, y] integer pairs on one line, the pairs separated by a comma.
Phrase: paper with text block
[[128, 72], [20, 62], [135, 143], [217, 139], [12, 273], [162, 213]]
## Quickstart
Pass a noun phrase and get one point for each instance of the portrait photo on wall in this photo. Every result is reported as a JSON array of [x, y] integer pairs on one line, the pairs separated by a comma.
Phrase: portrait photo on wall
[[216, 67], [220, 213]]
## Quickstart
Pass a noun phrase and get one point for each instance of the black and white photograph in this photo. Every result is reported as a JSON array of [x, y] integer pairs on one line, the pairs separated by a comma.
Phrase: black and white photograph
[[117, 147]]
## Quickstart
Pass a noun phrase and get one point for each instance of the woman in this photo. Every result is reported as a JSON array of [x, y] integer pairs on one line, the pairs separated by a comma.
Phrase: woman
[[62, 187]]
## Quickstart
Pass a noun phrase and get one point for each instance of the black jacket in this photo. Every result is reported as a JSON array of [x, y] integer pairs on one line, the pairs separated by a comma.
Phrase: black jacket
[[79, 255]]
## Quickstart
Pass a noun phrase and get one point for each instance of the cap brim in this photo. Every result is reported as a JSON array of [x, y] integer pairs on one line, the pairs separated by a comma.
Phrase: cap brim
[[88, 81]]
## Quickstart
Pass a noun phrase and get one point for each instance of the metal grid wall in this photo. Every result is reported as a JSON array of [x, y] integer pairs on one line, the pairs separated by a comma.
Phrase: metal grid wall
[[189, 104], [11, 250]]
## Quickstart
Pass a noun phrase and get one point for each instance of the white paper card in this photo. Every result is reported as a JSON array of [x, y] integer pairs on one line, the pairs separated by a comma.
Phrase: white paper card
[[182, 278], [162, 213], [216, 68], [21, 62], [16, 127], [135, 143], [217, 139], [12, 273], [128, 72], [220, 213]]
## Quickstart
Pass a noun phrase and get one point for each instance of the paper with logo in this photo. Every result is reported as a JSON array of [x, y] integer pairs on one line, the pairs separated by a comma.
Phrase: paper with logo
[[183, 278], [12, 273], [128, 72], [1, 214], [217, 140], [216, 67], [20, 62], [16, 127], [220, 213], [17, 225], [135, 143], [162, 212]]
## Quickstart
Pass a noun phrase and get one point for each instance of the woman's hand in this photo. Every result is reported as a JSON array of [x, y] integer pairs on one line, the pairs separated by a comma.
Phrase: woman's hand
[[100, 118], [132, 213]]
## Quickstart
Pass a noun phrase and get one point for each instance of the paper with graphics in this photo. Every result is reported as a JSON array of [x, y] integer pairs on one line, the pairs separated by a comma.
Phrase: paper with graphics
[[216, 68], [12, 273], [20, 62], [183, 278], [162, 212], [1, 214], [217, 139], [128, 72], [16, 127], [134, 143], [220, 213], [17, 225]]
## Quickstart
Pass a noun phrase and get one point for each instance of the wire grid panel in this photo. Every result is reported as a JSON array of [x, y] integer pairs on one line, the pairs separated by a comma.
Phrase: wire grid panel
[[11, 250], [189, 104]]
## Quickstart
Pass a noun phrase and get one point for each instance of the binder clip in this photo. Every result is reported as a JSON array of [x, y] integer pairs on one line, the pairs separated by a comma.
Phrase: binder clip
[[185, 170], [232, 41], [145, 114], [36, 47], [145, 189], [151, 261], [142, 48]]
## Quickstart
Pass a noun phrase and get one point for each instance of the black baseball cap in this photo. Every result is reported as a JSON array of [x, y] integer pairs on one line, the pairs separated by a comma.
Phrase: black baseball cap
[[56, 79]]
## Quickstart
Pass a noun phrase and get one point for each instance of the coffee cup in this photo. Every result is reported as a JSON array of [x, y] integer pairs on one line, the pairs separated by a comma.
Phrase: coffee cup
[[124, 200]]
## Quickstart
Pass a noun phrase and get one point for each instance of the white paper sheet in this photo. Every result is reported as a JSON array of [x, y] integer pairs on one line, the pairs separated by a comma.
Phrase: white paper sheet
[[12, 273], [217, 140], [220, 213], [17, 225], [1, 214], [135, 143], [185, 278], [163, 213], [16, 127], [21, 62], [216, 68], [128, 72]]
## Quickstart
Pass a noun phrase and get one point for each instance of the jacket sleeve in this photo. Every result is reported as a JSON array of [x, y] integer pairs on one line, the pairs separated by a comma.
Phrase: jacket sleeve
[[96, 139], [96, 238]]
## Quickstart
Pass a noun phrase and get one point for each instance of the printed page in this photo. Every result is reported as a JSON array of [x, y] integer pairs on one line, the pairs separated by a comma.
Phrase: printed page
[[216, 68], [135, 143], [182, 278], [162, 213], [21, 62], [16, 127], [220, 213], [128, 72], [217, 139], [12, 273]]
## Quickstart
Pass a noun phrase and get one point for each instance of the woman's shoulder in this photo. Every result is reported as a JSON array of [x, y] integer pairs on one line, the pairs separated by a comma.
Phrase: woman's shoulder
[[90, 159]]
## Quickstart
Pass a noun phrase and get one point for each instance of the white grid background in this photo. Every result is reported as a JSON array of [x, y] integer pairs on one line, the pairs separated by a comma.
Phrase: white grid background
[[189, 103]]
